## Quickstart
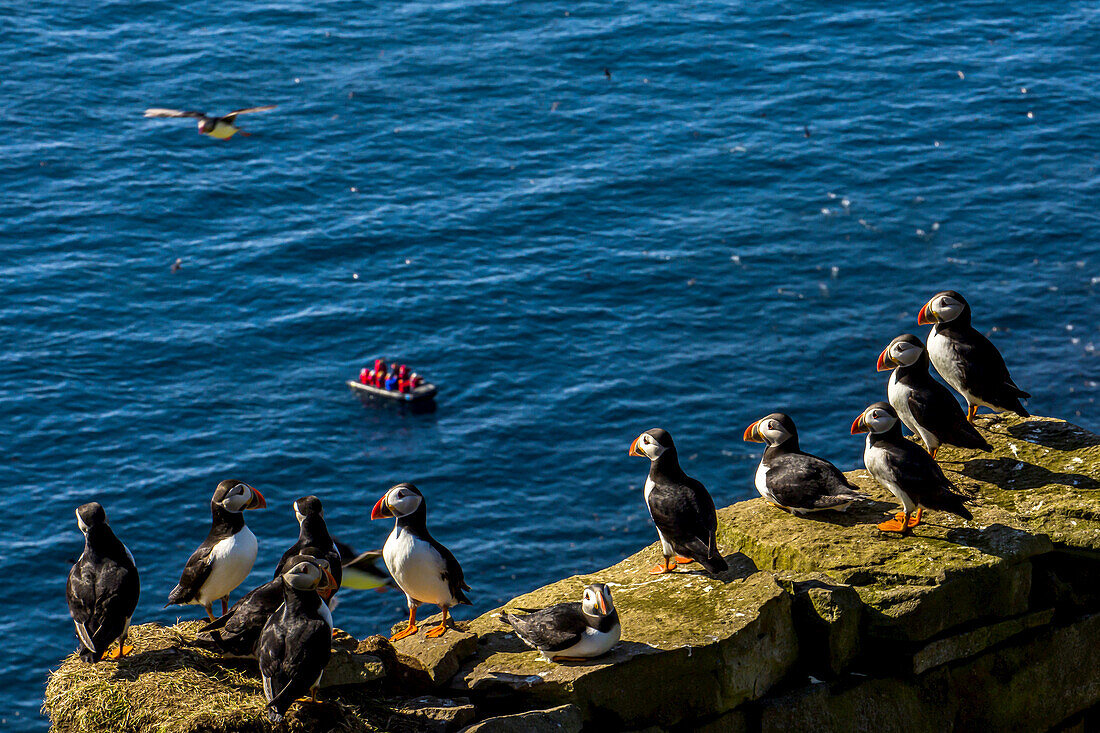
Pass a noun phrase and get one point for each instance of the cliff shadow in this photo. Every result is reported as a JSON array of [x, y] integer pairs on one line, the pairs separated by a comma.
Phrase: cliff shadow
[[870, 511], [1057, 435], [1011, 474]]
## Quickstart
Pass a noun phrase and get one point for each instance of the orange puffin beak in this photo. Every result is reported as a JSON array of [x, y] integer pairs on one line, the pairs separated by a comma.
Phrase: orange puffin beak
[[634, 447], [330, 584], [381, 510], [858, 426], [258, 501], [884, 360], [751, 434], [601, 604], [926, 317]]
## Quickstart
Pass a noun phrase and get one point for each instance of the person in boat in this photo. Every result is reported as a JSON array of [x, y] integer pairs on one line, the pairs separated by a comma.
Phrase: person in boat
[[415, 380], [365, 375], [391, 380]]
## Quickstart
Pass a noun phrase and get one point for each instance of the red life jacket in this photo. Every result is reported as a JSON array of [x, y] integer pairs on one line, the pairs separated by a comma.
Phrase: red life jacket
[[363, 376]]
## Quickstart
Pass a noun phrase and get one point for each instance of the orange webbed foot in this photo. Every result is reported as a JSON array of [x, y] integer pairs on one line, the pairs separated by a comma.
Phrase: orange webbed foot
[[407, 631], [682, 560], [915, 519], [119, 652], [660, 568], [436, 631], [894, 525]]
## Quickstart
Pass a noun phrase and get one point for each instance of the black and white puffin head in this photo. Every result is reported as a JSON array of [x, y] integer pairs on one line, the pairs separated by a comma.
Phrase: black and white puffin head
[[902, 351], [877, 418], [308, 506], [400, 501], [307, 574], [652, 444], [236, 496], [775, 429], [90, 515], [944, 307], [596, 601]]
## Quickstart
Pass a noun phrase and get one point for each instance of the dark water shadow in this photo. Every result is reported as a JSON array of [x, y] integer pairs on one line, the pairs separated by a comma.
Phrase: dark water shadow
[[1058, 435], [1011, 474]]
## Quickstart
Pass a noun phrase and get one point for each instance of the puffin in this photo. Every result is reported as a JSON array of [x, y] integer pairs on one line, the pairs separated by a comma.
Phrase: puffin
[[680, 507], [103, 588], [225, 557], [236, 633], [294, 645], [423, 569], [312, 533], [905, 469], [361, 571], [571, 632], [221, 128], [790, 479], [966, 359], [924, 405]]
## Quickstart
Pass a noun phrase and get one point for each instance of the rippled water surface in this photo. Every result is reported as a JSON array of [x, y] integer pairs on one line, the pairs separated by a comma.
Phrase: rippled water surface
[[754, 203]]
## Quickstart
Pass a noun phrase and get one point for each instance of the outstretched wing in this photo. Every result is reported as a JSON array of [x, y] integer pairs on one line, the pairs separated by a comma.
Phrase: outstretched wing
[[233, 115], [159, 112]]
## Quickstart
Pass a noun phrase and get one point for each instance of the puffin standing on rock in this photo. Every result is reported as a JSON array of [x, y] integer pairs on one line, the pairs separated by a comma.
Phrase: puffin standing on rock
[[793, 480], [923, 404], [680, 506], [901, 466], [966, 359], [225, 557], [571, 632], [425, 570], [103, 588], [313, 534], [236, 633], [295, 642]]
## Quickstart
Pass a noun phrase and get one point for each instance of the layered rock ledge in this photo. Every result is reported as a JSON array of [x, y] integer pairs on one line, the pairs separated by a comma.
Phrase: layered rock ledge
[[821, 623]]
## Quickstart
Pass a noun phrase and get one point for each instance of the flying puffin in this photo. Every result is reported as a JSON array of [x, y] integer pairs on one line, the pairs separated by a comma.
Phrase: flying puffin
[[679, 505], [312, 533], [361, 571], [225, 557], [901, 466], [222, 128], [425, 570], [103, 588], [571, 632], [793, 480], [294, 645], [966, 359], [923, 404], [236, 633]]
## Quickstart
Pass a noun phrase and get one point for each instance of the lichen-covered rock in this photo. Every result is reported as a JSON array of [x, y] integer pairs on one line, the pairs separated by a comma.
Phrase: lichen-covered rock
[[348, 668], [430, 714], [827, 618], [434, 661], [691, 646], [561, 719]]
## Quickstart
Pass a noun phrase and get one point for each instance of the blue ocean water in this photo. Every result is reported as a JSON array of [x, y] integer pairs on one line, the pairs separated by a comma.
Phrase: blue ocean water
[[580, 219]]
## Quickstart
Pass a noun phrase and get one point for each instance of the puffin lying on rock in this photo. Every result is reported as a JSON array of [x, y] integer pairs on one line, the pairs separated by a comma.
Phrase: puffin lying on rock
[[923, 404], [901, 466], [225, 557], [425, 570], [680, 506], [966, 359], [793, 480], [571, 632], [103, 588]]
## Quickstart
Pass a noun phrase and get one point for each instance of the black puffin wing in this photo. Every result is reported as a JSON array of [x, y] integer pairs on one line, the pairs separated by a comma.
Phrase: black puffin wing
[[271, 650], [306, 652], [195, 573], [452, 573], [553, 629], [161, 112], [986, 373], [683, 513], [247, 110], [936, 409], [916, 471], [804, 481], [80, 592]]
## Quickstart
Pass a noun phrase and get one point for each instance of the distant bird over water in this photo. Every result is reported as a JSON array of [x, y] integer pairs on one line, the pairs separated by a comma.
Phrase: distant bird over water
[[221, 128]]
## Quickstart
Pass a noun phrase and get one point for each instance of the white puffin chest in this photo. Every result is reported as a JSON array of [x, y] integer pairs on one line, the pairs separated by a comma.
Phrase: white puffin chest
[[943, 358], [875, 460], [762, 483], [231, 561], [898, 394], [416, 567], [592, 643]]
